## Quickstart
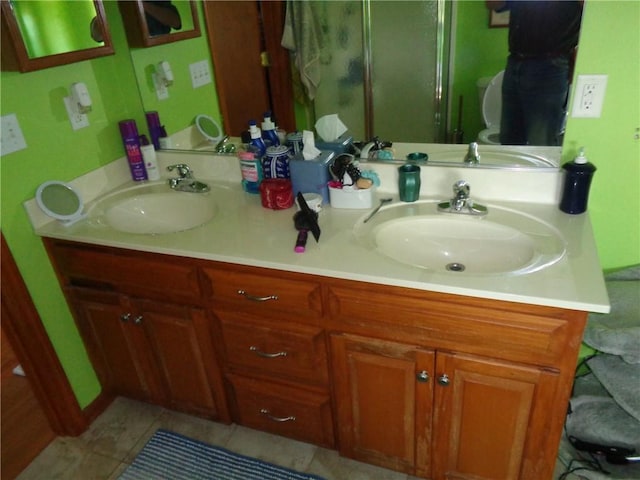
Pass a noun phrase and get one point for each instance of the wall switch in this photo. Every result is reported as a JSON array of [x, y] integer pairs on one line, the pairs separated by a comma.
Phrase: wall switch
[[11, 138], [200, 74], [77, 120], [588, 96]]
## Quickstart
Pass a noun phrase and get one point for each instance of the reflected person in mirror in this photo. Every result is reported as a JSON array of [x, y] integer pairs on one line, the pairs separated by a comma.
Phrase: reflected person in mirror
[[161, 17], [543, 38]]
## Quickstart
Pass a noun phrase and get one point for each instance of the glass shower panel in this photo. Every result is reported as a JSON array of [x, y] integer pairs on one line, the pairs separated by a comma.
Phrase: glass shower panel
[[341, 85], [403, 62], [404, 55]]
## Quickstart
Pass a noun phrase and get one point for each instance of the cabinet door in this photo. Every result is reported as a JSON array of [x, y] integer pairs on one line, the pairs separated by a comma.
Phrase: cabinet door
[[116, 346], [487, 415], [180, 340], [384, 402]]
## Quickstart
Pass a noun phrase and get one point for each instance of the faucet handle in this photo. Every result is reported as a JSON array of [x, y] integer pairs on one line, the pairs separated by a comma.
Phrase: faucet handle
[[183, 170], [461, 189]]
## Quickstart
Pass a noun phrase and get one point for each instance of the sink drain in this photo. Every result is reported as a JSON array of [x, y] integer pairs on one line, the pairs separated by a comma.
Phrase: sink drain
[[455, 267]]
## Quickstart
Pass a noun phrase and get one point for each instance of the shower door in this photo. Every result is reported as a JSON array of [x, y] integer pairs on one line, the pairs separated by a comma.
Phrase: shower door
[[382, 68]]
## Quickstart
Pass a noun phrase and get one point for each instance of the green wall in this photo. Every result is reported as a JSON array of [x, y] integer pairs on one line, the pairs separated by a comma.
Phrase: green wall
[[57, 152]]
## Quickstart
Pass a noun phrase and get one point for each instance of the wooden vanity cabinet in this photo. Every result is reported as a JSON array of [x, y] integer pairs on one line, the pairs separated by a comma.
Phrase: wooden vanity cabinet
[[157, 347], [448, 387], [445, 387]]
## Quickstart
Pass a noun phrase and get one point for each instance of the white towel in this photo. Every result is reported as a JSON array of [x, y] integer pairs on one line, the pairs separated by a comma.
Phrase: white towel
[[301, 35]]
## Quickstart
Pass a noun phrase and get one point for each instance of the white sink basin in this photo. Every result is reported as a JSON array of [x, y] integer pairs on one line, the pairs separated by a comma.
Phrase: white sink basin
[[502, 242], [153, 209]]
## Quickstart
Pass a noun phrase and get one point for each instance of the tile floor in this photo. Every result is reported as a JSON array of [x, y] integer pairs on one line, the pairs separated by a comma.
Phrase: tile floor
[[113, 440]]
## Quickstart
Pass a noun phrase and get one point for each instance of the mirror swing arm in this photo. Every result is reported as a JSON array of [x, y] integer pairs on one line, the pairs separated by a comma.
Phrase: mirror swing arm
[[15, 56], [137, 30]]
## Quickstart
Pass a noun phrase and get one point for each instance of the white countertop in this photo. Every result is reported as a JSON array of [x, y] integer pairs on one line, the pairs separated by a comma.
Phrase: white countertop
[[243, 232]]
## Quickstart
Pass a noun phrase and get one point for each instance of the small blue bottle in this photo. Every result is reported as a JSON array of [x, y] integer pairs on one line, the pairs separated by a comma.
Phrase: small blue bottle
[[256, 139], [269, 134], [578, 175]]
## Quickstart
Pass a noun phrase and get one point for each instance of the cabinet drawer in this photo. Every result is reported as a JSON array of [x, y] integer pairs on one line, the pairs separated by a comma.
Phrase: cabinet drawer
[[486, 327], [291, 352], [164, 277], [284, 410], [264, 294]]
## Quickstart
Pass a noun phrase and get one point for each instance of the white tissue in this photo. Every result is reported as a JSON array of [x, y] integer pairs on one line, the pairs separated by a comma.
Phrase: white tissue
[[330, 127], [309, 150]]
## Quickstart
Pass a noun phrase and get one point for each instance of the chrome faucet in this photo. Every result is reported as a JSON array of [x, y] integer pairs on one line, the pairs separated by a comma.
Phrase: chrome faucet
[[472, 157], [224, 146], [461, 202], [185, 181]]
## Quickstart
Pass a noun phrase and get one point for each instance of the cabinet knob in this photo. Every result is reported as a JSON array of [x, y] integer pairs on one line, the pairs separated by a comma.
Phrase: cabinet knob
[[137, 320], [444, 380], [125, 317], [422, 376]]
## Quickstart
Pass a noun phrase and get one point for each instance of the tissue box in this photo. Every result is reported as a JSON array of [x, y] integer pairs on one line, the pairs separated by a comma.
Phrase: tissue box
[[351, 198], [339, 145], [311, 176]]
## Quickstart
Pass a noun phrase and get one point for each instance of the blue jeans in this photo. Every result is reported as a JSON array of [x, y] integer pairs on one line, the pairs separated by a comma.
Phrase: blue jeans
[[534, 98]]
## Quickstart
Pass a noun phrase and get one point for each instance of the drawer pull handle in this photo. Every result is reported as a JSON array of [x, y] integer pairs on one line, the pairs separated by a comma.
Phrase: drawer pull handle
[[266, 413], [260, 353], [257, 299], [444, 380], [125, 317]]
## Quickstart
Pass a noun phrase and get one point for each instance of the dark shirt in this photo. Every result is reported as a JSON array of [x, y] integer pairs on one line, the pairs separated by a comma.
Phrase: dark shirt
[[543, 27]]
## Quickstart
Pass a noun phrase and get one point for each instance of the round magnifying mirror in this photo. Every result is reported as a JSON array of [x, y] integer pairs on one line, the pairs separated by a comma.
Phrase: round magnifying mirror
[[60, 201], [209, 128]]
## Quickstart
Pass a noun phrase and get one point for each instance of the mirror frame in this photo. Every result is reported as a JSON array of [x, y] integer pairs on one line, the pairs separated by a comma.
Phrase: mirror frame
[[135, 25], [14, 51]]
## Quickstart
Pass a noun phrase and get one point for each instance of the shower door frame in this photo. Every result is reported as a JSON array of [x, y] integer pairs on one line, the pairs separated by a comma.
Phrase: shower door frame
[[440, 117]]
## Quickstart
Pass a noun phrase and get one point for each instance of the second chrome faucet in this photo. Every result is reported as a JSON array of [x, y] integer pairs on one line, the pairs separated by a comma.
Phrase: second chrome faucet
[[461, 201], [185, 181]]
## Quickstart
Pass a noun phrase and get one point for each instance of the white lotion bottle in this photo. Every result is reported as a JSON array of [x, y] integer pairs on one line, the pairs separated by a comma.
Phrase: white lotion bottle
[[150, 160]]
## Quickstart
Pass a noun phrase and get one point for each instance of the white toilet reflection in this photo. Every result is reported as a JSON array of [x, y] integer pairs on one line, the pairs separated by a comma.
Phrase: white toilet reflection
[[490, 95]]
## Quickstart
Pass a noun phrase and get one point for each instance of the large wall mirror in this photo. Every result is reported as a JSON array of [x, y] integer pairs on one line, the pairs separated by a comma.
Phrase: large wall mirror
[[150, 23], [40, 34], [416, 94]]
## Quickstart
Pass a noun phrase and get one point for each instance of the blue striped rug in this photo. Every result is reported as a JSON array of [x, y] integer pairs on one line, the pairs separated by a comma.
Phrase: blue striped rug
[[170, 456]]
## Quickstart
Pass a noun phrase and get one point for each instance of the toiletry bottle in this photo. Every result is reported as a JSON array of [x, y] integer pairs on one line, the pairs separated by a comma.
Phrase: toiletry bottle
[[269, 134], [256, 139], [150, 159], [251, 170], [163, 140], [578, 175], [129, 132], [153, 122]]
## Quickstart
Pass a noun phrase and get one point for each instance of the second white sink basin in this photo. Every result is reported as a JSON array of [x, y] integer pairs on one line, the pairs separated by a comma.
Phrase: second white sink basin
[[153, 209], [502, 242]]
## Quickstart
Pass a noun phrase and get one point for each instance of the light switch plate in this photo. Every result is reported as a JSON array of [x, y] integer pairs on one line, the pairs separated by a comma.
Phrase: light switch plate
[[200, 74], [11, 138]]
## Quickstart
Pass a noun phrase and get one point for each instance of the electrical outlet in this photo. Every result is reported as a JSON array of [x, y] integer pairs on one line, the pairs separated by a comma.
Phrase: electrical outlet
[[588, 96], [77, 120], [162, 92], [11, 138], [200, 73]]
